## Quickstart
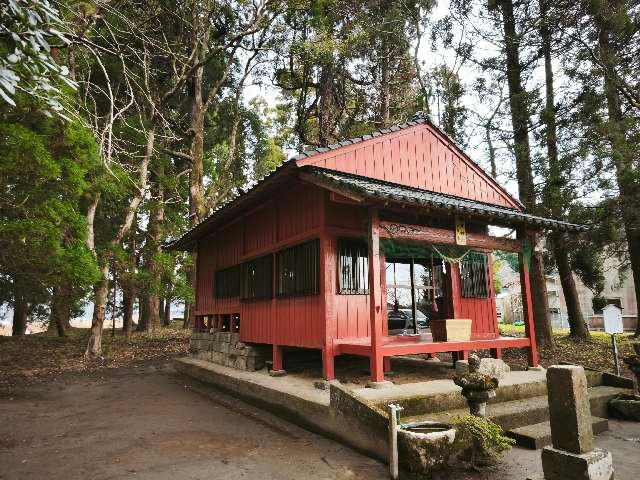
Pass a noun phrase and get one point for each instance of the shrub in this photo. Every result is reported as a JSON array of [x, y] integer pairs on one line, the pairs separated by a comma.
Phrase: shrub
[[479, 440]]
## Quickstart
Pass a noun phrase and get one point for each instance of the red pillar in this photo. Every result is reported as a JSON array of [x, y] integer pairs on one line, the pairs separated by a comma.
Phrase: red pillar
[[496, 352], [328, 275], [527, 310], [328, 369], [276, 368], [375, 307], [386, 364], [456, 288]]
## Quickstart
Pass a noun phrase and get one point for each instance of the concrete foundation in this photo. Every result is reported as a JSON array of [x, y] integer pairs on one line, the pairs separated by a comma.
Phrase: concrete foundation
[[562, 465]]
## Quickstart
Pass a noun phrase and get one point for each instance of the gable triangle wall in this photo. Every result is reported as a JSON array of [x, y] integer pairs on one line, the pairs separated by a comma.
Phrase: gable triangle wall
[[417, 156]]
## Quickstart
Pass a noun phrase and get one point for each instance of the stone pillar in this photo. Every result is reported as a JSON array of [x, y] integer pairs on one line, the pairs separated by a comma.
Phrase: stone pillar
[[572, 454]]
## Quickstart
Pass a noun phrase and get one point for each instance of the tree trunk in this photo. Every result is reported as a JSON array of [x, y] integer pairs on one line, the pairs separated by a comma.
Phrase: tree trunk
[[101, 289], [60, 316], [153, 317], [622, 153], [100, 293], [128, 298], [520, 121], [161, 310], [544, 335], [143, 313], [554, 195], [385, 89], [577, 325], [186, 316], [166, 315], [326, 106], [20, 317], [193, 280], [153, 249]]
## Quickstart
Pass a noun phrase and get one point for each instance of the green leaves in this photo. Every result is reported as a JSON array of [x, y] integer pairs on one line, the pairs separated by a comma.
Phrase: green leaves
[[28, 30], [481, 440], [42, 181]]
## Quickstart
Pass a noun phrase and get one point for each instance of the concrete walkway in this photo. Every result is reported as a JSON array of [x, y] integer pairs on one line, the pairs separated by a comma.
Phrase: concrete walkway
[[439, 387], [301, 388]]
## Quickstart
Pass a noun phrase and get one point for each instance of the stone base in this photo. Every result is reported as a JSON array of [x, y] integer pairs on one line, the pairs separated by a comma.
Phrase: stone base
[[561, 465], [225, 348], [626, 407], [380, 385], [277, 373]]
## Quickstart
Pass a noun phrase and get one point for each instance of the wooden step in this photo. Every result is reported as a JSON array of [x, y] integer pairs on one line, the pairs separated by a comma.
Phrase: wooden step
[[539, 435]]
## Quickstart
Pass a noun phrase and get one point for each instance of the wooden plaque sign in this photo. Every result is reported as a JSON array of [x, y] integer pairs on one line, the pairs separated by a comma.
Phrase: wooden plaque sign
[[461, 232]]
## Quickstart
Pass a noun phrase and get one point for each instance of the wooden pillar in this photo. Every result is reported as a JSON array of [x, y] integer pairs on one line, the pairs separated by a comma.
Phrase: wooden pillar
[[328, 289], [527, 309], [276, 368], [456, 288], [386, 364], [328, 365], [496, 352], [375, 307]]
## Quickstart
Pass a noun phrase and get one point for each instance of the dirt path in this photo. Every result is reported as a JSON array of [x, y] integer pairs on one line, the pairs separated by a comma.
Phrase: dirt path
[[148, 424], [151, 423]]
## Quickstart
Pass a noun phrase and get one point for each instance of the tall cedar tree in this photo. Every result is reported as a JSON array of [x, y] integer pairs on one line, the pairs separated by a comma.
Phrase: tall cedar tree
[[520, 119], [555, 184]]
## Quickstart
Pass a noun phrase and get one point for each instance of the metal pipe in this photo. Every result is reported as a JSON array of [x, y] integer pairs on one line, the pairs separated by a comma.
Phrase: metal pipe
[[615, 353], [394, 420]]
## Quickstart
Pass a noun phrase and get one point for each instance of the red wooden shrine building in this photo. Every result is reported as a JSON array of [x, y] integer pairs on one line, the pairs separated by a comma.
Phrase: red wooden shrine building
[[360, 247]]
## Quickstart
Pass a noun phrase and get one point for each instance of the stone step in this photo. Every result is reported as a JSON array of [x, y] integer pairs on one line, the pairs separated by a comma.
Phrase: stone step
[[530, 412], [538, 435]]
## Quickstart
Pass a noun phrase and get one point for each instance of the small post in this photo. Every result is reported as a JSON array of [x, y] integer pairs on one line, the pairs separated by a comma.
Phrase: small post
[[615, 353], [573, 454], [394, 420]]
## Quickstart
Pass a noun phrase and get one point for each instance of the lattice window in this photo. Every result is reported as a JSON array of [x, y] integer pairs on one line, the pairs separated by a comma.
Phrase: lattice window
[[256, 279], [298, 270], [353, 267], [227, 282], [474, 275]]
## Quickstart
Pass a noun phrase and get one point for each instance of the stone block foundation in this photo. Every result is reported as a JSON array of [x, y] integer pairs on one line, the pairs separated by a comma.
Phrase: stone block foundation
[[225, 348]]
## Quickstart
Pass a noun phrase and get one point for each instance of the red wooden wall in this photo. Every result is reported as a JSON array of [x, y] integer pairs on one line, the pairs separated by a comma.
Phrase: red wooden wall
[[482, 311], [289, 217], [420, 157]]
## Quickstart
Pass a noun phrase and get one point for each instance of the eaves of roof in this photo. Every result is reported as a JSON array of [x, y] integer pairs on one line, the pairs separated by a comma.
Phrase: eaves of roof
[[369, 189]]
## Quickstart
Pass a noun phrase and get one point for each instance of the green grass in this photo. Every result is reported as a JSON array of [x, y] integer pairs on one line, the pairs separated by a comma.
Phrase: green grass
[[506, 329]]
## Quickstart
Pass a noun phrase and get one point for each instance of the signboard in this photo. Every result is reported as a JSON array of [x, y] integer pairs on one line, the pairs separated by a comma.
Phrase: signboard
[[612, 319], [461, 232]]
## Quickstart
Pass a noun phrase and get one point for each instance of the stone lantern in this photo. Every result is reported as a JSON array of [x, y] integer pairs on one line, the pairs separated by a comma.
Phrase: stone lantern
[[477, 387]]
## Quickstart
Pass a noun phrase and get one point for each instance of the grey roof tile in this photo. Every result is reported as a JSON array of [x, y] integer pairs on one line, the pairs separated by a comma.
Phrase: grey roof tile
[[373, 188]]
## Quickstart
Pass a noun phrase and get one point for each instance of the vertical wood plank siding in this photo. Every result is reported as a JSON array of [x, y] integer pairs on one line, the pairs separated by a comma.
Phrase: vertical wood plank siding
[[482, 311], [297, 212], [418, 157], [295, 321]]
